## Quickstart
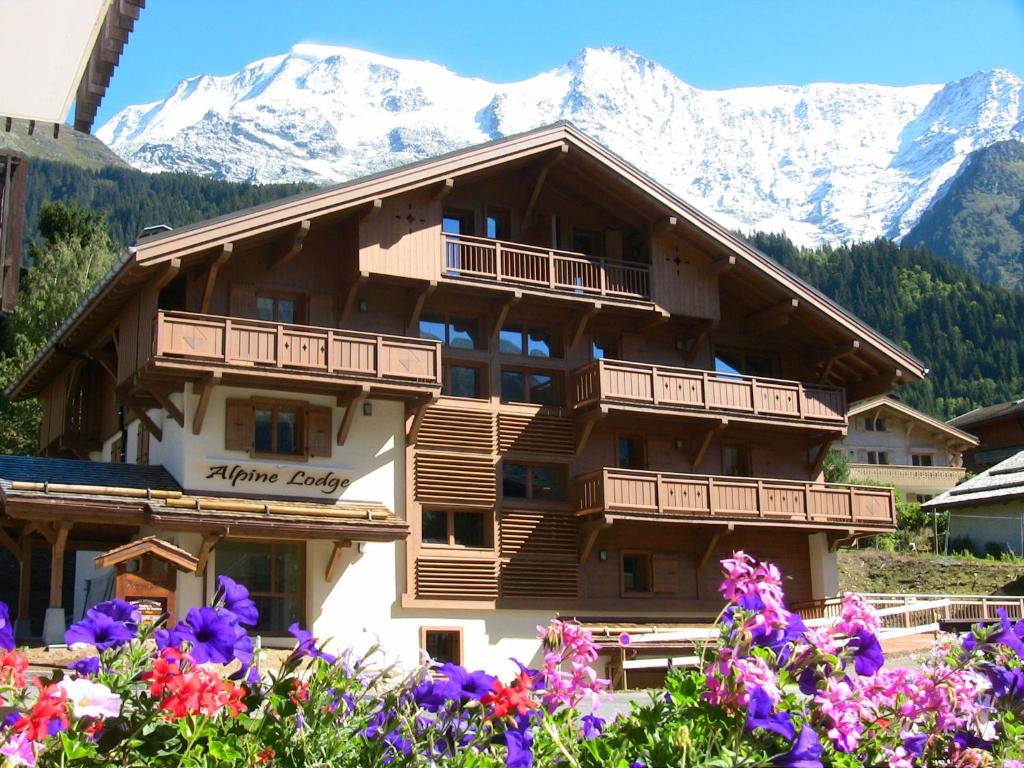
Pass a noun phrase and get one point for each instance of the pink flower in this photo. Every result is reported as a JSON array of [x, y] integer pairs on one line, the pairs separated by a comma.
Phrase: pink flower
[[846, 711], [91, 699], [856, 614], [19, 750]]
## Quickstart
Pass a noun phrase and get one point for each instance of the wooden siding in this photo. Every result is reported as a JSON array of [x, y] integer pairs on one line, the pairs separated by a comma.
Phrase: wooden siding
[[451, 428], [447, 578], [682, 279], [403, 238], [673, 495], [453, 479], [663, 387], [538, 551], [536, 432]]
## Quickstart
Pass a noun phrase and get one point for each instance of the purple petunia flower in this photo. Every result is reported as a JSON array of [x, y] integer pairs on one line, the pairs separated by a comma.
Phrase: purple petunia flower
[[99, 630], [591, 726], [237, 601], [867, 653], [119, 610], [214, 637], [1006, 635], [6, 628], [760, 715], [806, 753], [90, 665], [1006, 682], [914, 743], [518, 748], [469, 686], [966, 740], [306, 644]]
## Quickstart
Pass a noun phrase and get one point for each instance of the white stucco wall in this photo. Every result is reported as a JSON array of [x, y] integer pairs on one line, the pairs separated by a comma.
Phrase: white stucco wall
[[993, 523]]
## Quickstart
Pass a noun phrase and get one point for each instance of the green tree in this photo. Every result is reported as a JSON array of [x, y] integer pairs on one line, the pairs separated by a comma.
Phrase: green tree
[[836, 467], [75, 252]]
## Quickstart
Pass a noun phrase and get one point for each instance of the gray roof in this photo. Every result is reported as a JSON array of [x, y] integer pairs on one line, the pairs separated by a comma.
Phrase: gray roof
[[35, 469], [1003, 482], [988, 413]]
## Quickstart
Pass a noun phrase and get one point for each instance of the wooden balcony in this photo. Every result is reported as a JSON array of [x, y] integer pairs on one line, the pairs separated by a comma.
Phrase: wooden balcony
[[701, 498], [612, 383], [545, 269], [927, 481], [251, 350]]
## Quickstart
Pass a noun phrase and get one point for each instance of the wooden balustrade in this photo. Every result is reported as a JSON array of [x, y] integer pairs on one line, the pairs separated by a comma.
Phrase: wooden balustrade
[[958, 609], [670, 494], [668, 387], [485, 259], [254, 345]]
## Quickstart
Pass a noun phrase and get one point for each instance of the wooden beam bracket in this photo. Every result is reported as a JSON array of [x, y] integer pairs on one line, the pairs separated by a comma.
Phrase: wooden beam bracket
[[419, 299], [211, 275], [417, 409], [771, 317], [351, 402], [210, 540], [502, 310], [351, 294], [705, 442], [164, 398], [582, 320], [151, 426], [590, 533], [205, 391], [586, 426], [292, 246], [442, 189]]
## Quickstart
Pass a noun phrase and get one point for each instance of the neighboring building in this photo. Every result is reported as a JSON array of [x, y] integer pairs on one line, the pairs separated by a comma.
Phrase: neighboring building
[[440, 404], [1000, 429], [987, 511], [890, 442]]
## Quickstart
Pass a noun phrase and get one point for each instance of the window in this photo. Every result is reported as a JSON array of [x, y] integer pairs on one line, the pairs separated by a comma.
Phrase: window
[[541, 482], [636, 573], [878, 457], [276, 307], [921, 459], [453, 332], [498, 223], [442, 645], [462, 380], [274, 572], [874, 425], [536, 387], [603, 346], [746, 363], [629, 452], [586, 242], [455, 528], [286, 428], [457, 222], [736, 461], [535, 342], [278, 430]]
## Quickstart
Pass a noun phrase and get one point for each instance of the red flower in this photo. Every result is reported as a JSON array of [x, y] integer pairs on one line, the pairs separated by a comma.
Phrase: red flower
[[50, 709], [12, 668], [265, 756], [197, 691], [507, 699], [300, 692]]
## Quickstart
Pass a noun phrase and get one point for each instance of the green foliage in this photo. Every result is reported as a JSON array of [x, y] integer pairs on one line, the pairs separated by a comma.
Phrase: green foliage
[[836, 467], [969, 334], [979, 222]]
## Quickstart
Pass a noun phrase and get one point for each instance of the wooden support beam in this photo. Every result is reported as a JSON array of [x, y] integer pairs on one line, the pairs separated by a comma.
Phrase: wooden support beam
[[502, 310], [585, 427], [351, 294], [660, 318], [8, 541], [211, 275], [205, 390], [590, 533], [24, 576], [164, 398], [582, 320], [351, 402], [703, 330], [417, 409], [829, 357], [43, 529], [370, 210], [723, 264], [442, 189], [419, 298], [818, 460], [292, 246], [873, 385], [709, 548], [771, 317], [334, 562], [705, 442], [167, 272], [57, 564], [151, 426], [538, 185], [210, 540], [836, 540], [665, 225]]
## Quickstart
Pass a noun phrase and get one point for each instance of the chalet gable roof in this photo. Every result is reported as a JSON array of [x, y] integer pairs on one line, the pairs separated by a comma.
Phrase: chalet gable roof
[[150, 545], [1001, 483], [891, 404], [165, 250]]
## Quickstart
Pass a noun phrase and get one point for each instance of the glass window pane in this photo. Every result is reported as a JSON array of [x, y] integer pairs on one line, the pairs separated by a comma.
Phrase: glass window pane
[[247, 562], [469, 529], [544, 389], [464, 381], [464, 333], [265, 308], [759, 365], [435, 526], [513, 387], [442, 647], [510, 340], [603, 347], [630, 454], [277, 613], [547, 483], [288, 558], [727, 363], [288, 431], [513, 480], [541, 343], [264, 434], [287, 311], [635, 573], [432, 327]]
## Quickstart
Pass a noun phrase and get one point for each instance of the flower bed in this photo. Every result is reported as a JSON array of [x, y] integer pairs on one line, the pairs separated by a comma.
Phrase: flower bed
[[772, 693]]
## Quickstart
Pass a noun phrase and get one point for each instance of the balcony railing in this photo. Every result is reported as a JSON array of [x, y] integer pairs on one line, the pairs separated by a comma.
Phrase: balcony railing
[[672, 495], [925, 479], [263, 347], [481, 258], [695, 390]]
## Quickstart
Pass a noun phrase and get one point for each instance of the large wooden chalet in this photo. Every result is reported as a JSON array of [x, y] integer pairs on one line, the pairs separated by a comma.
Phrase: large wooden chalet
[[441, 404]]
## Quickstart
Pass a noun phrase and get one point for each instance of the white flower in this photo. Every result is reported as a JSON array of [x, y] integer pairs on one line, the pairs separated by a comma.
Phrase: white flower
[[91, 699]]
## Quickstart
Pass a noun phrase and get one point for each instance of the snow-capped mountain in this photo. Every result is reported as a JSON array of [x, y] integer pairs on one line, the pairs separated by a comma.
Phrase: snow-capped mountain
[[824, 162]]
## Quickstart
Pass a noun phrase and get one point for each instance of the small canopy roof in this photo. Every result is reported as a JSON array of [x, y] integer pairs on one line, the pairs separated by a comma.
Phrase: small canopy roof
[[150, 545], [1001, 483]]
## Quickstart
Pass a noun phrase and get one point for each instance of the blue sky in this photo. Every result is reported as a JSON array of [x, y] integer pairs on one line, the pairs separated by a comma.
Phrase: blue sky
[[709, 44]]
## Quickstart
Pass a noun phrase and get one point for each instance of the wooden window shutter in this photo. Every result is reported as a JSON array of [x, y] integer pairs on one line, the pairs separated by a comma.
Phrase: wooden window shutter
[[321, 310], [665, 579], [238, 425], [243, 301], [319, 426], [142, 447]]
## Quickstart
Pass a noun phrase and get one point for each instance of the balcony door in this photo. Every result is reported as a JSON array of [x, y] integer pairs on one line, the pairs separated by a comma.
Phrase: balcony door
[[457, 256]]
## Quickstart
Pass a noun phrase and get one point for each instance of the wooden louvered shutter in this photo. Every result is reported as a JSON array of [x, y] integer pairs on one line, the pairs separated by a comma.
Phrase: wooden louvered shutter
[[243, 301], [321, 310], [238, 425], [666, 574], [319, 431]]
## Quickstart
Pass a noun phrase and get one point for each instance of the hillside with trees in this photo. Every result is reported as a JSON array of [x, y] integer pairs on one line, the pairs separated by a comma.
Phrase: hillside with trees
[[970, 334]]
